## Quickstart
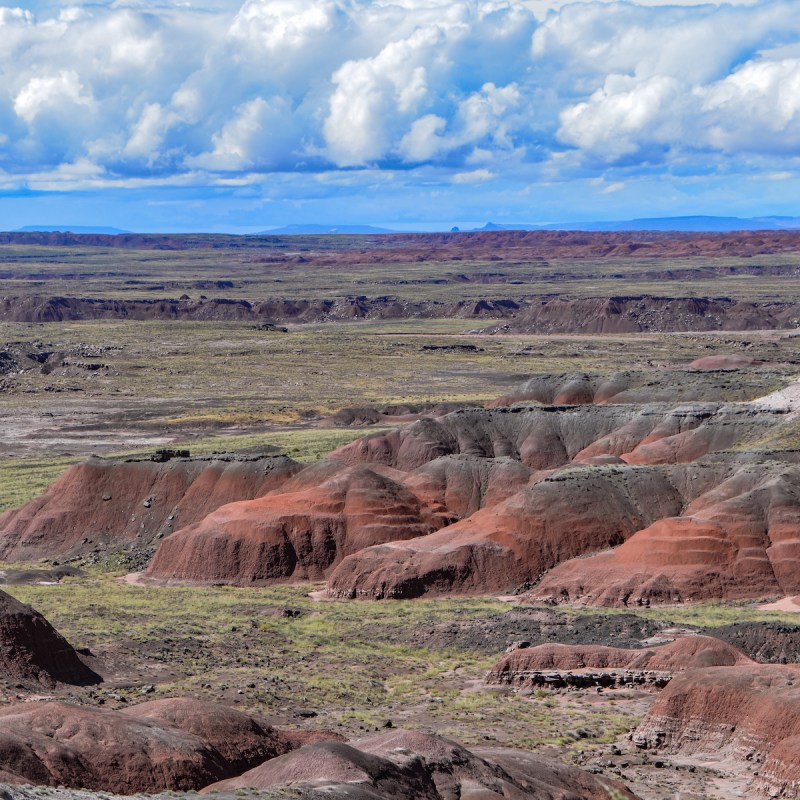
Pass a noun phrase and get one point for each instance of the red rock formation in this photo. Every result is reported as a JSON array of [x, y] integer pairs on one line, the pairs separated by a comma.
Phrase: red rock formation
[[113, 504], [299, 532], [32, 650], [177, 744], [745, 712], [499, 548], [737, 540], [688, 652], [405, 764]]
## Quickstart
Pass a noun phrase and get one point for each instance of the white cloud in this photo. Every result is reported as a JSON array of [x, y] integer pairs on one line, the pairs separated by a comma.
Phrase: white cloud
[[476, 176], [374, 96], [150, 90], [59, 93], [624, 115], [283, 24], [260, 135]]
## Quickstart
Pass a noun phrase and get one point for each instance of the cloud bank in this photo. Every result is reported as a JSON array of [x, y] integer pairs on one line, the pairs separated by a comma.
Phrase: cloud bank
[[464, 93]]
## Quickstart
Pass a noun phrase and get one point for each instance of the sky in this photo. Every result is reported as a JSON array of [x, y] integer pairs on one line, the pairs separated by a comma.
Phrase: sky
[[241, 115]]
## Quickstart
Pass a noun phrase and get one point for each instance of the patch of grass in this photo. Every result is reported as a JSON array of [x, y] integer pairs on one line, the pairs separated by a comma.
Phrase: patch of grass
[[304, 444], [25, 478], [355, 664]]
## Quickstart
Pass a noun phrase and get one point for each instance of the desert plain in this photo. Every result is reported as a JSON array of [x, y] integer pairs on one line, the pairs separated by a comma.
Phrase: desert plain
[[501, 514]]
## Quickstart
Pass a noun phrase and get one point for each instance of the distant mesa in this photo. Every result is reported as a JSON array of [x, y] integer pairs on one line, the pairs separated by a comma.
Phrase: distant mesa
[[306, 230], [72, 229], [693, 224]]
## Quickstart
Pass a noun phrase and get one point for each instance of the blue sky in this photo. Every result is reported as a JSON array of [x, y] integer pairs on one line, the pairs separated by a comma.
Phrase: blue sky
[[240, 115]]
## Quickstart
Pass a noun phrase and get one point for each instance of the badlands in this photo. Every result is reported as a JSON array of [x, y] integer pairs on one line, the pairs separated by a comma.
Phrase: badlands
[[577, 508]]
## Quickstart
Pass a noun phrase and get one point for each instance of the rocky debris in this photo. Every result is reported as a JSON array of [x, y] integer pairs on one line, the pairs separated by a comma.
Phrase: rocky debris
[[751, 714], [15, 577], [488, 635], [32, 650], [766, 642], [104, 504], [405, 764], [737, 539], [457, 348], [177, 744], [576, 666], [167, 454], [300, 531], [271, 327]]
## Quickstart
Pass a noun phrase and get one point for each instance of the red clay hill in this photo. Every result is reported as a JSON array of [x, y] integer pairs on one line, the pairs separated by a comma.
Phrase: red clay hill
[[297, 532], [33, 651], [182, 744], [109, 504], [740, 539]]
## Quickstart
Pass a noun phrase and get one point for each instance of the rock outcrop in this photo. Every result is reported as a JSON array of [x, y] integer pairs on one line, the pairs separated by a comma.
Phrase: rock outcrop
[[405, 764], [552, 436], [748, 713], [651, 313], [178, 744], [535, 666], [32, 650]]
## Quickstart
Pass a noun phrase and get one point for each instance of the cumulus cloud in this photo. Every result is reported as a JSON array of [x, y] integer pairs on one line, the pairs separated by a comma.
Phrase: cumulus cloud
[[475, 90], [61, 94]]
